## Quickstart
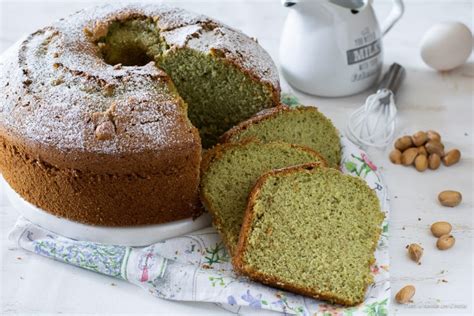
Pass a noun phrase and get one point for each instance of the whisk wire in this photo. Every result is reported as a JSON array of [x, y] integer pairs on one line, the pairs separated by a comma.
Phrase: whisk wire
[[374, 123]]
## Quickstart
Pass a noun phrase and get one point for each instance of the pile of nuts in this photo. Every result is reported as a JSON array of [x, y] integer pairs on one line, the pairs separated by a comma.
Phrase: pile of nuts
[[423, 150]]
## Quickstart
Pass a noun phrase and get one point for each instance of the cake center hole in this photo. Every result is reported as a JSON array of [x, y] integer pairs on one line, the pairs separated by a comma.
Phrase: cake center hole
[[131, 43], [127, 56]]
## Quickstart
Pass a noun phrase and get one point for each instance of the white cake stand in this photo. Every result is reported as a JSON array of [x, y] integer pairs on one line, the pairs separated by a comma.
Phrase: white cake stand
[[127, 236]]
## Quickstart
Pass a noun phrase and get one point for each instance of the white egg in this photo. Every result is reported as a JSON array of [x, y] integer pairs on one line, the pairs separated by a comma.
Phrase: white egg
[[446, 45]]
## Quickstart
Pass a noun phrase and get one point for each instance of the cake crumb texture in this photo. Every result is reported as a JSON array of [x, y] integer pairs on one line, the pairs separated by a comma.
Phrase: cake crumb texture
[[312, 231], [230, 171], [302, 125]]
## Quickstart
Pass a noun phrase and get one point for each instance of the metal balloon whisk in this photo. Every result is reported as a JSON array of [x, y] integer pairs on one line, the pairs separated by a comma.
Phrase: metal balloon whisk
[[374, 123]]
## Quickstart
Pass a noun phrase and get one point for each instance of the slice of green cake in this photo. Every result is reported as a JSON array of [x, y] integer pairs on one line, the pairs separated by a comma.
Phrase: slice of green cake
[[302, 125], [312, 231], [229, 172]]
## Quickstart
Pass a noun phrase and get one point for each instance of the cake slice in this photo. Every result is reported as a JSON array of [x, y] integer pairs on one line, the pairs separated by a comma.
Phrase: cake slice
[[312, 231], [301, 125], [229, 172]]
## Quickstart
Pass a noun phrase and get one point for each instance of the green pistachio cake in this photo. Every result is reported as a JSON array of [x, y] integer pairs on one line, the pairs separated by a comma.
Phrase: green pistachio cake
[[218, 93], [301, 125], [103, 114], [312, 231], [229, 172]]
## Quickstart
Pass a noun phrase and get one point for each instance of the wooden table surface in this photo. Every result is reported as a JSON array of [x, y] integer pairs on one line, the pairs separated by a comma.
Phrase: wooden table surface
[[427, 100]]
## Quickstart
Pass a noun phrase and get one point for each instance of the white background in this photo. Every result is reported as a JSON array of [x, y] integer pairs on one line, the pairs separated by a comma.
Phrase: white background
[[427, 100]]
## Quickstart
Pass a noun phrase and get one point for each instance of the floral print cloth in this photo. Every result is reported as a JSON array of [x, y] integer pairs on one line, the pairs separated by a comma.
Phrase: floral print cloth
[[196, 267]]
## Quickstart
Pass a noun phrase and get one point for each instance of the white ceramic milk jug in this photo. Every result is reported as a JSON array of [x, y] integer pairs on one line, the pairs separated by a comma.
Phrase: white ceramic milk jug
[[333, 48]]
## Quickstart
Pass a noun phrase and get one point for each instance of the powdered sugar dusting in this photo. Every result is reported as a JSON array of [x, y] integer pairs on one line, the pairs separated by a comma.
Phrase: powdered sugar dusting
[[56, 89]]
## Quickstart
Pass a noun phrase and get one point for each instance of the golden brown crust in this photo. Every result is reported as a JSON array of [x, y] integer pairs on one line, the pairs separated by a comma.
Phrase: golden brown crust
[[257, 118], [214, 154], [262, 116], [110, 199], [238, 258]]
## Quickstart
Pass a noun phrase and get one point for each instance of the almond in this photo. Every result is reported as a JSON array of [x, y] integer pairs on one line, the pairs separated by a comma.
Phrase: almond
[[421, 163], [395, 156], [409, 155], [450, 198], [405, 294], [415, 252], [445, 242], [439, 229], [451, 157], [419, 138], [422, 150], [433, 135], [434, 161], [435, 147], [403, 143]]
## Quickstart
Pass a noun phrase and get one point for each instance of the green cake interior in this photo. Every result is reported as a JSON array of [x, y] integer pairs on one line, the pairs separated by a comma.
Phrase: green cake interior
[[217, 93], [316, 230], [231, 174], [304, 126]]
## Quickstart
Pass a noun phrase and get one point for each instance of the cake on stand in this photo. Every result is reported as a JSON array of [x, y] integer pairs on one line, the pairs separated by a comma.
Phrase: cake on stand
[[134, 236]]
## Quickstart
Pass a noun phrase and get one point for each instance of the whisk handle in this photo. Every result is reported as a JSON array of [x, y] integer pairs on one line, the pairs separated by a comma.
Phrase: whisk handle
[[392, 78]]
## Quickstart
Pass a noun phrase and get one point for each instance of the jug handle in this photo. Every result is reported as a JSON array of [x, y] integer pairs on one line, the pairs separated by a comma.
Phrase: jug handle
[[395, 14]]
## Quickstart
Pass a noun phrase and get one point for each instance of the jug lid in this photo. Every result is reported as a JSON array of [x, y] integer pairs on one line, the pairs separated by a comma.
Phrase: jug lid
[[351, 4], [348, 4]]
